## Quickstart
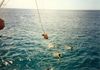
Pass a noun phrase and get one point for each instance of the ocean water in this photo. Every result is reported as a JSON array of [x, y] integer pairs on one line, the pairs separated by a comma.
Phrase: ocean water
[[22, 46]]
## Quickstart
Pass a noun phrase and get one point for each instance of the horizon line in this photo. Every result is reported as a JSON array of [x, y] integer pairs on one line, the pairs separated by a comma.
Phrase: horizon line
[[49, 9]]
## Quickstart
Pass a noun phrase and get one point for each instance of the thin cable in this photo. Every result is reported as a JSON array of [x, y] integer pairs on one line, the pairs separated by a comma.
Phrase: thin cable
[[39, 16], [2, 3]]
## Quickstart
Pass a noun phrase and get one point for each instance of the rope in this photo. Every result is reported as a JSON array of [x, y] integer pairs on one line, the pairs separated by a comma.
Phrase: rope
[[39, 16], [2, 3]]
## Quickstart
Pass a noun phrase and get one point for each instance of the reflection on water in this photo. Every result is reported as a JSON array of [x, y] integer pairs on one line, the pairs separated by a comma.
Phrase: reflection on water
[[74, 38]]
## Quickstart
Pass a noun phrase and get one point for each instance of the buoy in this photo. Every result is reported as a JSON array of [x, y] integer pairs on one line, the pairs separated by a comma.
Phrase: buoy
[[45, 35], [2, 25]]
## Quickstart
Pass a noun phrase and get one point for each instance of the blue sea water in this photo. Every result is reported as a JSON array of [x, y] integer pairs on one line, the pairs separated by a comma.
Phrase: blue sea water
[[23, 48]]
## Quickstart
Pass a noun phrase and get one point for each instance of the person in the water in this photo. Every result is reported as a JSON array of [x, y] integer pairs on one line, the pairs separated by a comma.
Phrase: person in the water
[[57, 55], [45, 35]]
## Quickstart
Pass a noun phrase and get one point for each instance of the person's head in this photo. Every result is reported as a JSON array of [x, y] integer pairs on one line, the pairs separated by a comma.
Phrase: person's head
[[42, 34], [59, 55]]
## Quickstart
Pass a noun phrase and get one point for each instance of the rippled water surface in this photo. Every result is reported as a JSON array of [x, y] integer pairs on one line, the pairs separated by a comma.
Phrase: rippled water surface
[[73, 34]]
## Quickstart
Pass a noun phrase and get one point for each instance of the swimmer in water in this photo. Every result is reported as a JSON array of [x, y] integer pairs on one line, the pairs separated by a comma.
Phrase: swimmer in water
[[57, 55]]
